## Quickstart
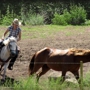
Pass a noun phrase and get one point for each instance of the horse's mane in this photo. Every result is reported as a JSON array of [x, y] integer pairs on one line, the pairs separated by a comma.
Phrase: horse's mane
[[6, 41], [12, 38], [80, 51]]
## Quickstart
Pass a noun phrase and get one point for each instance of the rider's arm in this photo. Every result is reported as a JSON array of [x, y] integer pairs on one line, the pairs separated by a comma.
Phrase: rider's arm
[[19, 36]]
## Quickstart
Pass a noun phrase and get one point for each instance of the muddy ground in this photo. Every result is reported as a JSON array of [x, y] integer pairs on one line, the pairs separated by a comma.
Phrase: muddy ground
[[59, 41]]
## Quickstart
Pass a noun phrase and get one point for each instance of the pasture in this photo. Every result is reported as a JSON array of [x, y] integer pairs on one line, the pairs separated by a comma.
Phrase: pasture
[[35, 38]]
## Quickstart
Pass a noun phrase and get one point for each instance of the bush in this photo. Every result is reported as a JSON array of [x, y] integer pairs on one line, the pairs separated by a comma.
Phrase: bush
[[59, 19], [87, 22], [45, 9], [78, 15], [46, 14], [67, 16], [34, 19], [8, 18]]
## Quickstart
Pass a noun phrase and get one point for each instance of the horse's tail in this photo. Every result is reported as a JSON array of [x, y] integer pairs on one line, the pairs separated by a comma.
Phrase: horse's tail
[[31, 65]]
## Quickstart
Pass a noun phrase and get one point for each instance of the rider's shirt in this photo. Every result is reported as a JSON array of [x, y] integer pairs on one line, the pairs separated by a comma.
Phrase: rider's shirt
[[14, 33]]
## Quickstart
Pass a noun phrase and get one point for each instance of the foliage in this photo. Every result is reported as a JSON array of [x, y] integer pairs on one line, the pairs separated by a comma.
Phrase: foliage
[[34, 19], [8, 18], [87, 22], [59, 20], [78, 14], [39, 13], [75, 16], [0, 17], [44, 9], [67, 16]]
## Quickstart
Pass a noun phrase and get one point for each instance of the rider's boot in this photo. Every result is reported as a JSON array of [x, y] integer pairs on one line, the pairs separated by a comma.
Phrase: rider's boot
[[12, 61], [1, 44]]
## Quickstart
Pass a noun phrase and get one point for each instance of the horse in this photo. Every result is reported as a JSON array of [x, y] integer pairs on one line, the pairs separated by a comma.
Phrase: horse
[[58, 60], [8, 51]]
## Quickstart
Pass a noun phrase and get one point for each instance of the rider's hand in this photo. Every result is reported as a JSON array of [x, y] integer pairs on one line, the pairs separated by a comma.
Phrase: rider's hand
[[2, 37]]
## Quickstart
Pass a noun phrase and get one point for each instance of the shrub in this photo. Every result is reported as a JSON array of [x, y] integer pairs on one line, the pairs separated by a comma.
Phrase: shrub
[[87, 22], [45, 9], [34, 19], [8, 18], [59, 19], [78, 15], [67, 16]]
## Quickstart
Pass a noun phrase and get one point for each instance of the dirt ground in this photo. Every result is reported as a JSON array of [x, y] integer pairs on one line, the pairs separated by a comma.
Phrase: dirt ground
[[59, 41]]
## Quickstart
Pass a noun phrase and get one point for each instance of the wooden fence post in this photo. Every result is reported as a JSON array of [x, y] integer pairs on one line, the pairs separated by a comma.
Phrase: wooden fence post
[[81, 75]]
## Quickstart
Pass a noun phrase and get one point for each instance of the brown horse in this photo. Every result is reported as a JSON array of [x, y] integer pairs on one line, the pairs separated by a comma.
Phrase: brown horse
[[59, 60]]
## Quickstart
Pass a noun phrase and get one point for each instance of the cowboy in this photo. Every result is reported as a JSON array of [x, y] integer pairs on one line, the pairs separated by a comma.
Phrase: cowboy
[[15, 31]]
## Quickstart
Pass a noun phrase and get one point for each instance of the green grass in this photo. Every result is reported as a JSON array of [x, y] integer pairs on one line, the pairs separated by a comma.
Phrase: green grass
[[49, 31], [44, 31], [31, 84], [41, 31]]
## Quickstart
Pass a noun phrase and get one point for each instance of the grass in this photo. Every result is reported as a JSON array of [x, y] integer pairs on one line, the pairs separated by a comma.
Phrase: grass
[[44, 31], [30, 84], [50, 30]]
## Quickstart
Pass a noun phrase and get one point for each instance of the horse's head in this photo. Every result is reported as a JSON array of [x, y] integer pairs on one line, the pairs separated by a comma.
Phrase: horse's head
[[12, 46]]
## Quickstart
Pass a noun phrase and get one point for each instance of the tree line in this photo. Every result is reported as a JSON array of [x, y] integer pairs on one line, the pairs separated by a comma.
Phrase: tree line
[[47, 8]]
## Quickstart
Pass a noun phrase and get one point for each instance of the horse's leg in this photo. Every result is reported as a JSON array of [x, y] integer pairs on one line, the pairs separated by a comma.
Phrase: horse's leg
[[76, 74], [4, 72], [1, 69], [63, 76], [36, 68], [45, 68]]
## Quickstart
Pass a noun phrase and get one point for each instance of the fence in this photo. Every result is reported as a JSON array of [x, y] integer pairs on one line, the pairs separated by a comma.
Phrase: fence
[[81, 75], [81, 70]]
